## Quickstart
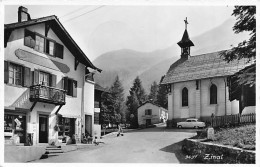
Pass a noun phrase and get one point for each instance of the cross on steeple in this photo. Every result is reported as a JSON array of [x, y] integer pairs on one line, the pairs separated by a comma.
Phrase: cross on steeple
[[186, 22], [185, 42]]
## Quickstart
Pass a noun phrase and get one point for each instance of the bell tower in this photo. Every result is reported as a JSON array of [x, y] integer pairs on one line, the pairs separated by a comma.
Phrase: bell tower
[[185, 43]]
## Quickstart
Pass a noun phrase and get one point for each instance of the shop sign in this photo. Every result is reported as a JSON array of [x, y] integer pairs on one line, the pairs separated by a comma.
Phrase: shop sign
[[17, 122]]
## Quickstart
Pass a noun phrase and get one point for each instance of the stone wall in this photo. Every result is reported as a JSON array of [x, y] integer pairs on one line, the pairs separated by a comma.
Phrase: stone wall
[[206, 152]]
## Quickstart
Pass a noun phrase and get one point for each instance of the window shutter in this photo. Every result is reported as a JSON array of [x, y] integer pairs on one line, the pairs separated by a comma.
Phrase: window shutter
[[36, 77], [47, 42], [53, 79], [59, 50], [6, 77], [26, 77], [74, 89], [29, 38], [65, 83]]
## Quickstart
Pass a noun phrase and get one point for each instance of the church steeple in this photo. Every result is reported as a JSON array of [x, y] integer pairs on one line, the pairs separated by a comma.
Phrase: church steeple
[[185, 43]]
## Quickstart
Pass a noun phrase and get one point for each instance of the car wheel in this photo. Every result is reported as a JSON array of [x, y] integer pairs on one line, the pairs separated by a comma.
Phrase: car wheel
[[196, 127], [179, 126]]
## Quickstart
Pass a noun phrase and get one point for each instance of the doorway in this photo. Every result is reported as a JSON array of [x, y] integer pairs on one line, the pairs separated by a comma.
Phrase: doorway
[[43, 128], [148, 122]]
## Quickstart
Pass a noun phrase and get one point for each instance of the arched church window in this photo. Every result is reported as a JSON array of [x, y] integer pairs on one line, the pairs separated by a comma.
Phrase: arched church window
[[184, 97], [213, 94]]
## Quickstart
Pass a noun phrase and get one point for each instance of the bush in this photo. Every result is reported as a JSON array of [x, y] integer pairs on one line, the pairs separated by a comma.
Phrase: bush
[[241, 137]]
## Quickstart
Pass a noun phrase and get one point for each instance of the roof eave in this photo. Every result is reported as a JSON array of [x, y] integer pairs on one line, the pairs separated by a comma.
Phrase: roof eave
[[173, 82], [78, 48], [85, 59]]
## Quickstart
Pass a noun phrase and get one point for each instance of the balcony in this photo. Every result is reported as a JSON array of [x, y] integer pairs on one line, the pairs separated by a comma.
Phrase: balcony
[[46, 94]]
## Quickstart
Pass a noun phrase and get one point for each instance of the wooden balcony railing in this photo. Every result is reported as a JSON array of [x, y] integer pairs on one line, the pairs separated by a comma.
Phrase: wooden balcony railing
[[41, 93]]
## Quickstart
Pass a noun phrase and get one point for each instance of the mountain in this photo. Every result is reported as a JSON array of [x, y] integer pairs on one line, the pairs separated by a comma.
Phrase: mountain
[[150, 66], [128, 64]]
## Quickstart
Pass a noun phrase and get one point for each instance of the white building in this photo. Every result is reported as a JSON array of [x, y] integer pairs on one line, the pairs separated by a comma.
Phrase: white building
[[149, 114], [199, 85], [46, 92]]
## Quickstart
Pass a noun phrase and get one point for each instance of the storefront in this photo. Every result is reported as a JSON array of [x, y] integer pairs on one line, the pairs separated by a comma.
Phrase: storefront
[[15, 126], [66, 128]]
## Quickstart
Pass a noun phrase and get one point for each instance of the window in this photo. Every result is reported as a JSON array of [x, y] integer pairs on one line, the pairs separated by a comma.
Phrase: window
[[39, 43], [43, 44], [213, 94], [44, 78], [15, 74], [29, 38], [184, 97], [50, 47], [148, 112], [70, 86], [250, 96], [96, 118]]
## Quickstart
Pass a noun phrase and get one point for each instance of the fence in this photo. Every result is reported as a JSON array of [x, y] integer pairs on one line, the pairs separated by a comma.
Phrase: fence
[[227, 120], [220, 121]]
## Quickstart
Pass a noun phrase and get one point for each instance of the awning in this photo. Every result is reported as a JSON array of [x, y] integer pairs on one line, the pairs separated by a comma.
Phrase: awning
[[69, 116]]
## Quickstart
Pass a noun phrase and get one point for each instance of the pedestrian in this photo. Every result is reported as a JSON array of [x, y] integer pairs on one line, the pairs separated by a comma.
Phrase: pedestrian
[[119, 130], [95, 141]]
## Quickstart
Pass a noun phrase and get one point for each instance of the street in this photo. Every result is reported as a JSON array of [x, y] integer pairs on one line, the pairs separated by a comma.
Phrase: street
[[151, 145]]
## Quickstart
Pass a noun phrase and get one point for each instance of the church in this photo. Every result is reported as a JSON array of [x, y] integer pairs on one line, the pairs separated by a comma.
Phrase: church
[[199, 86]]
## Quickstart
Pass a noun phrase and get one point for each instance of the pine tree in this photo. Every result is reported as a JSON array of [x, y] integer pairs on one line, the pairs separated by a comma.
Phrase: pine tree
[[117, 95], [113, 102], [139, 90], [107, 108], [132, 105], [152, 97], [134, 100], [246, 21], [162, 95]]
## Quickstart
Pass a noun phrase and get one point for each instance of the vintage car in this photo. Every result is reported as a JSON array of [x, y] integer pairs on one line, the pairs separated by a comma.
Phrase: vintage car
[[191, 123]]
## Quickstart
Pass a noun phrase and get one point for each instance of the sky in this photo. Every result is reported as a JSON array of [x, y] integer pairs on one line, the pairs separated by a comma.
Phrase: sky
[[98, 29]]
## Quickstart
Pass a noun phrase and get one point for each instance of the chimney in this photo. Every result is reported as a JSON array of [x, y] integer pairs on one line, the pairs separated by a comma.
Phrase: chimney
[[23, 14]]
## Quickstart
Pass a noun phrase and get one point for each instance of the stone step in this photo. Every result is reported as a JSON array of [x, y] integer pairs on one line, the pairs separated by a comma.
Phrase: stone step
[[53, 151], [53, 148]]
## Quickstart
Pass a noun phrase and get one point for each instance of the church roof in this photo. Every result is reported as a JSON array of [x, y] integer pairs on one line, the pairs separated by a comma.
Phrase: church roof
[[185, 41], [202, 66]]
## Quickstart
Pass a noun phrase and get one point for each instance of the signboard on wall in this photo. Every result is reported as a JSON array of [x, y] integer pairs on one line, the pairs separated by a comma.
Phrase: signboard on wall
[[17, 122], [96, 117]]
